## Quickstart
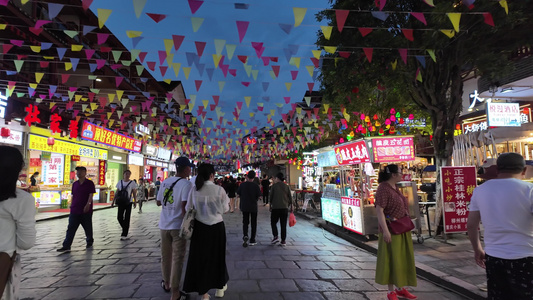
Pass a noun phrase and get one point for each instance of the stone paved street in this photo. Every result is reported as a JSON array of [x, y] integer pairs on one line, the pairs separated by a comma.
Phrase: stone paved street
[[314, 265]]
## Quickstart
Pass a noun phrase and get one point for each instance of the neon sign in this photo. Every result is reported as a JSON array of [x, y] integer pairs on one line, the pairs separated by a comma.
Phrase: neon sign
[[3, 106]]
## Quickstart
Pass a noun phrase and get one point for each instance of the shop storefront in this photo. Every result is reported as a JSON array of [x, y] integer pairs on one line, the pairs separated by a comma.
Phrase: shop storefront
[[117, 164], [56, 161], [136, 165]]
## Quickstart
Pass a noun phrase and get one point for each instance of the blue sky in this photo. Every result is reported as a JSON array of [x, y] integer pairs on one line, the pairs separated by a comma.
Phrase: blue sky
[[219, 22]]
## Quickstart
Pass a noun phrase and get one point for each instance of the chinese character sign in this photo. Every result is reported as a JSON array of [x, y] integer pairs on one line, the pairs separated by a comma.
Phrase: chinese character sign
[[393, 149], [458, 184], [352, 153], [503, 114], [95, 133], [101, 172], [53, 170], [32, 116], [351, 214]]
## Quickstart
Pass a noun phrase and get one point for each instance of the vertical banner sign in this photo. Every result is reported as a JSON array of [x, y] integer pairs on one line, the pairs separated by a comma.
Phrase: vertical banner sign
[[66, 177], [53, 170], [351, 214], [101, 172], [458, 184]]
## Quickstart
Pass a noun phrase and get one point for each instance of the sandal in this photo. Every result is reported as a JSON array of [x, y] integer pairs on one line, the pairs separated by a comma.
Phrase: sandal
[[163, 286]]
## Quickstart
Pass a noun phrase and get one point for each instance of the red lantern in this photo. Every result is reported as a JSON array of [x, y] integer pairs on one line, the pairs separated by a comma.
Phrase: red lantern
[[50, 141], [5, 132]]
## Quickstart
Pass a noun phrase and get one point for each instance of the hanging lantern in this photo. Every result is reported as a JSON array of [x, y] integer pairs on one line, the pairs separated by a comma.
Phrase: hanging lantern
[[391, 130], [377, 124], [387, 127], [364, 131], [341, 140], [367, 119], [393, 118], [411, 117], [401, 120], [368, 124], [392, 111], [50, 141], [375, 117], [5, 132], [373, 129], [381, 132], [457, 127]]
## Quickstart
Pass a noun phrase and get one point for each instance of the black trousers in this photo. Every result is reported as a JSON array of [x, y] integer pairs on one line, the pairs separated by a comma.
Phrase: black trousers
[[265, 196], [123, 217], [74, 221], [246, 216], [280, 215], [509, 278]]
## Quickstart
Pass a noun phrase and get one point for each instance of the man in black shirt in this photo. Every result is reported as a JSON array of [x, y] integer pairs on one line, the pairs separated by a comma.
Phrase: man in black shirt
[[249, 193], [265, 184]]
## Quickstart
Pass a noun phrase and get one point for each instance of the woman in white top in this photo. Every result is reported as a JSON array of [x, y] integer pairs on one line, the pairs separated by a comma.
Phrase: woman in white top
[[17, 216], [206, 267]]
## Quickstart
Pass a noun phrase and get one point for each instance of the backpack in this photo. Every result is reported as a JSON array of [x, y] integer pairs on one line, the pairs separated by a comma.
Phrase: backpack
[[122, 196], [169, 197]]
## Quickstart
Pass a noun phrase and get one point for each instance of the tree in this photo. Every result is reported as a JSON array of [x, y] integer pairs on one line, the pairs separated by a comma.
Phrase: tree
[[400, 56]]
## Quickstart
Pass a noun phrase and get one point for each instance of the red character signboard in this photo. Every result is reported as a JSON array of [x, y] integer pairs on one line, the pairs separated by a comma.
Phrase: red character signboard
[[92, 132], [101, 172], [458, 184], [352, 153]]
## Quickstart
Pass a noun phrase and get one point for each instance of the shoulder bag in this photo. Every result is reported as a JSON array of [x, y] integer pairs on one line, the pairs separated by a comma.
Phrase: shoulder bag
[[6, 265], [401, 225], [187, 226]]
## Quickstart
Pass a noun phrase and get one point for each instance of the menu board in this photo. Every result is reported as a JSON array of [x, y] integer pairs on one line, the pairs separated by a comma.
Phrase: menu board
[[331, 210], [458, 184], [327, 159], [393, 149], [53, 170], [351, 214], [47, 197], [352, 153]]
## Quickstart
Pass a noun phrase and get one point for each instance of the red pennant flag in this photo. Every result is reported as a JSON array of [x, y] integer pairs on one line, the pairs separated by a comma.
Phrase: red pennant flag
[[364, 31], [246, 84], [162, 56], [6, 48], [216, 99], [86, 3], [178, 39], [163, 70], [242, 27], [368, 53], [195, 5], [287, 100], [242, 58], [151, 65], [198, 83], [315, 62], [276, 70], [488, 19], [310, 85], [344, 54], [118, 80], [64, 78], [341, 16], [233, 72], [408, 33], [142, 56], [420, 17], [156, 17], [200, 46], [403, 54], [294, 74], [44, 64]]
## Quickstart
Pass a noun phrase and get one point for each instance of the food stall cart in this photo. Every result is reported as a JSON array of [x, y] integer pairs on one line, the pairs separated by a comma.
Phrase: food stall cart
[[358, 164]]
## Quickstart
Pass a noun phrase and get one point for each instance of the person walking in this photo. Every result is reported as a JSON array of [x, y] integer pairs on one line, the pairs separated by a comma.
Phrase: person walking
[[17, 217], [124, 206], [249, 193], [265, 184], [280, 202], [81, 210], [395, 264], [505, 207], [157, 185], [231, 188], [206, 266], [142, 194], [172, 198]]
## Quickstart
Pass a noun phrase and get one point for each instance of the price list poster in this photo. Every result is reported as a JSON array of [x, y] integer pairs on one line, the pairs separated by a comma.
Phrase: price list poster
[[458, 184]]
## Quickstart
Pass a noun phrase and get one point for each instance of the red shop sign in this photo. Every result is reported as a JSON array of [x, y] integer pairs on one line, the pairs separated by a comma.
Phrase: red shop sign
[[393, 149], [95, 133], [352, 153], [458, 184], [101, 172]]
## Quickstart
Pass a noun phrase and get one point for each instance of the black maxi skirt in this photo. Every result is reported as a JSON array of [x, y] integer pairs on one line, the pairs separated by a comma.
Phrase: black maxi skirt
[[206, 266]]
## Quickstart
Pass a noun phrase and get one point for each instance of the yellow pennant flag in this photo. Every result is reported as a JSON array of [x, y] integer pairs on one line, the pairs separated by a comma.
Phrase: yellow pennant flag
[[33, 85], [230, 49], [326, 30], [38, 76], [111, 97], [255, 73], [103, 15], [216, 59], [133, 33], [35, 49], [326, 107], [169, 43], [186, 72], [76, 47], [248, 70], [272, 74], [77, 98], [330, 49], [3, 26], [503, 3], [431, 53], [176, 67], [448, 32], [455, 18], [295, 61], [94, 106], [247, 99], [221, 85], [310, 70], [119, 94], [68, 66], [299, 15], [196, 23], [418, 75], [394, 64], [288, 85], [430, 3], [52, 104], [316, 53], [205, 103], [170, 58]]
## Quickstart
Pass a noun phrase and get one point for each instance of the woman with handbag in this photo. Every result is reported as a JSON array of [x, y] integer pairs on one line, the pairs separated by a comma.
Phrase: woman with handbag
[[206, 266], [17, 222], [395, 263]]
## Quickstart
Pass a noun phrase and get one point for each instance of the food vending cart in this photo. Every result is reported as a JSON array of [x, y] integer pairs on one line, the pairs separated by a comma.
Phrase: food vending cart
[[358, 164]]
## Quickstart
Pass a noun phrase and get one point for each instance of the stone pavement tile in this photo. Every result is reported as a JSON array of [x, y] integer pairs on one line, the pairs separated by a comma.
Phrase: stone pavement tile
[[238, 274], [366, 258], [365, 274], [424, 286], [150, 290], [281, 251], [276, 285], [123, 250], [334, 246], [298, 274], [151, 277], [345, 296], [335, 258], [332, 274], [114, 269], [253, 256], [303, 296], [264, 273], [147, 267], [77, 280], [260, 296], [299, 258], [316, 285], [243, 286], [114, 291], [118, 279], [281, 264], [249, 265], [346, 265], [314, 265], [353, 252], [42, 272], [39, 282], [356, 285], [471, 271], [315, 252], [366, 265], [129, 255], [93, 262], [378, 287], [77, 292], [31, 293]]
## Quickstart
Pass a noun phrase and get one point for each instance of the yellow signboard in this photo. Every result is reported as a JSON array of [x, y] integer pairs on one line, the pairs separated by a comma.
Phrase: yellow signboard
[[66, 178], [40, 143]]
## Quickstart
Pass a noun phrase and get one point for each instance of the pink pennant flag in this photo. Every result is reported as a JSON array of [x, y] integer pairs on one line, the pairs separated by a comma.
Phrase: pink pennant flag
[[239, 105], [163, 70], [488, 19], [382, 4], [408, 33], [178, 39], [403, 54], [102, 38], [198, 83], [142, 56], [287, 100], [364, 31], [6, 48], [36, 31], [233, 72], [266, 60], [245, 83], [86, 4], [216, 99], [40, 23], [242, 27], [162, 56], [276, 70], [151, 65], [420, 17], [200, 46], [195, 5], [294, 74], [341, 16], [157, 17], [310, 85], [89, 53], [64, 78], [103, 101], [118, 80]]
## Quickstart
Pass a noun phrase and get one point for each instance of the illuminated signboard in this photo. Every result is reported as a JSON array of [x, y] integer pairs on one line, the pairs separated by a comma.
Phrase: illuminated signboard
[[503, 114], [37, 142], [141, 129], [393, 149], [95, 133], [352, 153], [150, 150], [14, 138], [164, 154], [3, 106]]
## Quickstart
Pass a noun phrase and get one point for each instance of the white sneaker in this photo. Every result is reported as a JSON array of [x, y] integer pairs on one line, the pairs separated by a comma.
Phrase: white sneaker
[[220, 293], [275, 240], [123, 238]]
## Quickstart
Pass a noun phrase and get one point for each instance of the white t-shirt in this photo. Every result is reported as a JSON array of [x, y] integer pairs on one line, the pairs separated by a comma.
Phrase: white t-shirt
[[210, 202], [506, 208], [171, 214], [17, 223], [131, 187]]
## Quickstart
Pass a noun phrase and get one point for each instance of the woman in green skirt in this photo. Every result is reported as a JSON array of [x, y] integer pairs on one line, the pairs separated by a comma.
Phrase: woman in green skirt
[[396, 263]]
